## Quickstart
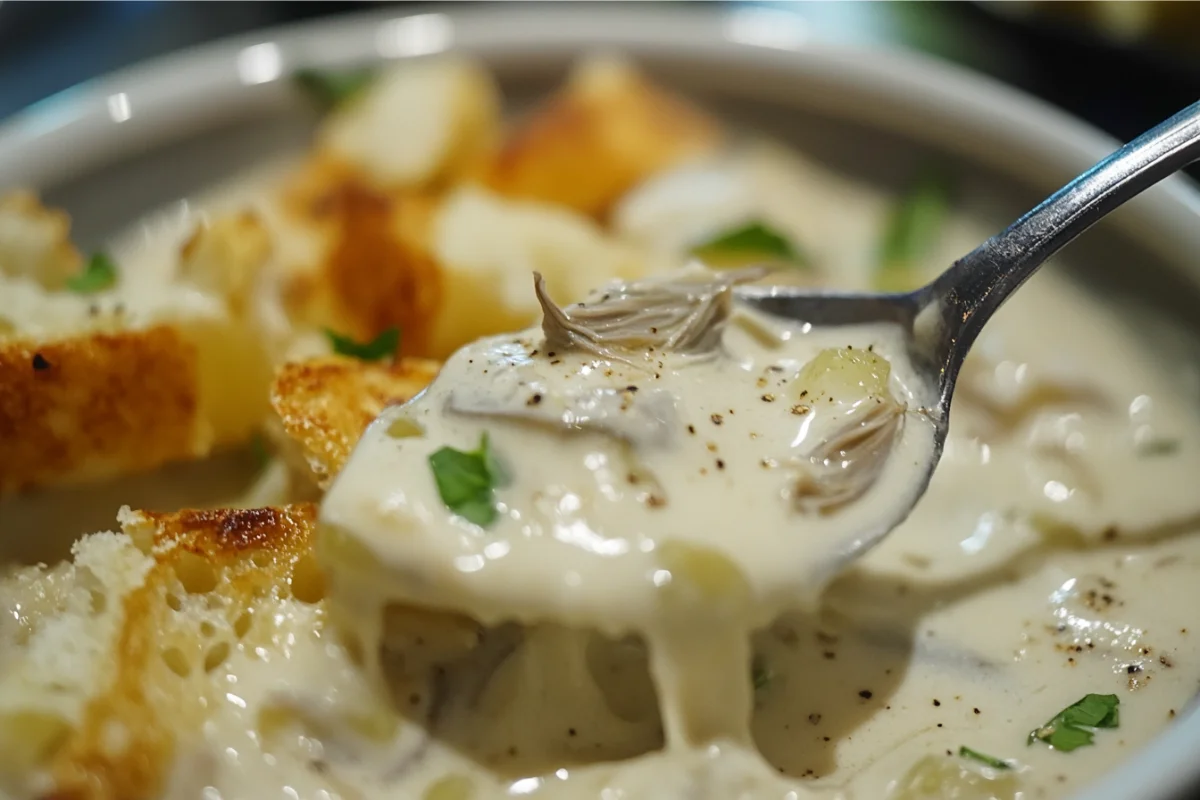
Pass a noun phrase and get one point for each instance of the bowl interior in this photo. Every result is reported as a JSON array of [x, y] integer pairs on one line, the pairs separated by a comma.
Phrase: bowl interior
[[1136, 261]]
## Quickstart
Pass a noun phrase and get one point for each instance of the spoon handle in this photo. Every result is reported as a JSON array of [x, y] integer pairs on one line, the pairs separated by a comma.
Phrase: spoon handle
[[978, 283]]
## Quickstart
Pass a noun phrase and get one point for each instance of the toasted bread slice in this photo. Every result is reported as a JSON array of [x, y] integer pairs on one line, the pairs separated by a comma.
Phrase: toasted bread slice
[[325, 404], [124, 379], [105, 676], [609, 129], [130, 671]]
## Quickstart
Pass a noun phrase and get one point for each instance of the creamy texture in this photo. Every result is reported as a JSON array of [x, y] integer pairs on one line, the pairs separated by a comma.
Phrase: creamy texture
[[1055, 554], [619, 461]]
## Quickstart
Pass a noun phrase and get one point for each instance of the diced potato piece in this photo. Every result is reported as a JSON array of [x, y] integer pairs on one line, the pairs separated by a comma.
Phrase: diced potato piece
[[489, 247], [451, 787], [844, 374], [952, 778], [35, 241], [700, 574], [226, 256], [605, 132], [421, 122]]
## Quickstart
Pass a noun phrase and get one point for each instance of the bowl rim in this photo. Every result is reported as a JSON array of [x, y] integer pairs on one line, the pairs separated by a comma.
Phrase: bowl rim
[[165, 98]]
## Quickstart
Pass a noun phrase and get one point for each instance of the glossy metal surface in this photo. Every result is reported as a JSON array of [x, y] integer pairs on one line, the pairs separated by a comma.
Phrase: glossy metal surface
[[945, 317]]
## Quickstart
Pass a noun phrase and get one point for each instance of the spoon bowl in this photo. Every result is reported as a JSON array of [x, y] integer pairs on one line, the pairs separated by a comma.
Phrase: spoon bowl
[[942, 319]]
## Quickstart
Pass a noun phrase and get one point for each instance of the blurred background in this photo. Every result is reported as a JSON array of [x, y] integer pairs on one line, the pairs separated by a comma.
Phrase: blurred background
[[1121, 65]]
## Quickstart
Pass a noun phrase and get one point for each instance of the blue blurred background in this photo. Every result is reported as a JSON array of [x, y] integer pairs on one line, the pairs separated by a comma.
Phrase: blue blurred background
[[1121, 65]]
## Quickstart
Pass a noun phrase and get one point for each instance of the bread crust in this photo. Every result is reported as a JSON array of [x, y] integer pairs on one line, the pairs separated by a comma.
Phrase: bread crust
[[94, 405]]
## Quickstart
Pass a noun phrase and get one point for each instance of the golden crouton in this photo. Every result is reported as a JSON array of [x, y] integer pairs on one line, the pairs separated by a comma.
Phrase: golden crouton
[[373, 270], [35, 241], [111, 402], [605, 132], [87, 406], [325, 404]]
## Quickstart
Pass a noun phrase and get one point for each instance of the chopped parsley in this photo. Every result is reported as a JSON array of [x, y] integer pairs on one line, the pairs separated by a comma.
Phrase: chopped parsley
[[1076, 724], [99, 274], [331, 89], [760, 674], [1158, 447], [465, 481], [259, 451], [747, 244], [382, 346], [913, 229], [983, 758]]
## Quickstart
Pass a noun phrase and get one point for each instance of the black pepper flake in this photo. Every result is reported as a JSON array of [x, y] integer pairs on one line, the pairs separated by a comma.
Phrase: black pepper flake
[[720, 463], [829, 655], [631, 388], [804, 393], [533, 400], [717, 419], [551, 354], [571, 732], [866, 694], [815, 719], [768, 398], [976, 710], [1133, 669], [40, 363], [692, 430], [937, 702]]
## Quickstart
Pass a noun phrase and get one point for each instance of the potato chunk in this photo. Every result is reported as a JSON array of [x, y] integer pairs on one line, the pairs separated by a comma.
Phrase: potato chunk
[[845, 375]]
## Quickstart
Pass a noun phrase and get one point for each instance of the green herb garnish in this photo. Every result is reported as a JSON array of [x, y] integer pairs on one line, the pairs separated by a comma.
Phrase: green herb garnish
[[751, 243], [99, 274], [332, 89], [1075, 725], [760, 674], [465, 481], [912, 232], [382, 346], [259, 451], [983, 758], [1158, 447]]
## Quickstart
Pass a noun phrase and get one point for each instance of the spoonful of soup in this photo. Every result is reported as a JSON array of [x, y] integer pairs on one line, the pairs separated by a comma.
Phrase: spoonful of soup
[[942, 319], [695, 440]]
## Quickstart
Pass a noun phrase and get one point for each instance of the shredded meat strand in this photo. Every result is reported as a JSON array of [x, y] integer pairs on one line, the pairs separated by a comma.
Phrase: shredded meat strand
[[842, 468], [682, 315]]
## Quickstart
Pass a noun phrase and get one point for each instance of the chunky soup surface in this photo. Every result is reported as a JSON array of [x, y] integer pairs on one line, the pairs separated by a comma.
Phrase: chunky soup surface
[[579, 563]]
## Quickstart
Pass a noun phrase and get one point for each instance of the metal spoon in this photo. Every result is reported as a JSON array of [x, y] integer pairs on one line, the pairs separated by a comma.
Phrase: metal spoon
[[944, 318]]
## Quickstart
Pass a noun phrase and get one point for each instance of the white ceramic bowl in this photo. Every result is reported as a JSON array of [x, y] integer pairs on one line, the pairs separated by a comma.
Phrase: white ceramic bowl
[[118, 146]]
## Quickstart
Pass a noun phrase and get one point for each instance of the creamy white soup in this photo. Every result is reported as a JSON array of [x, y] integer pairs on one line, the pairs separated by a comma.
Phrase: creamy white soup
[[579, 565]]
